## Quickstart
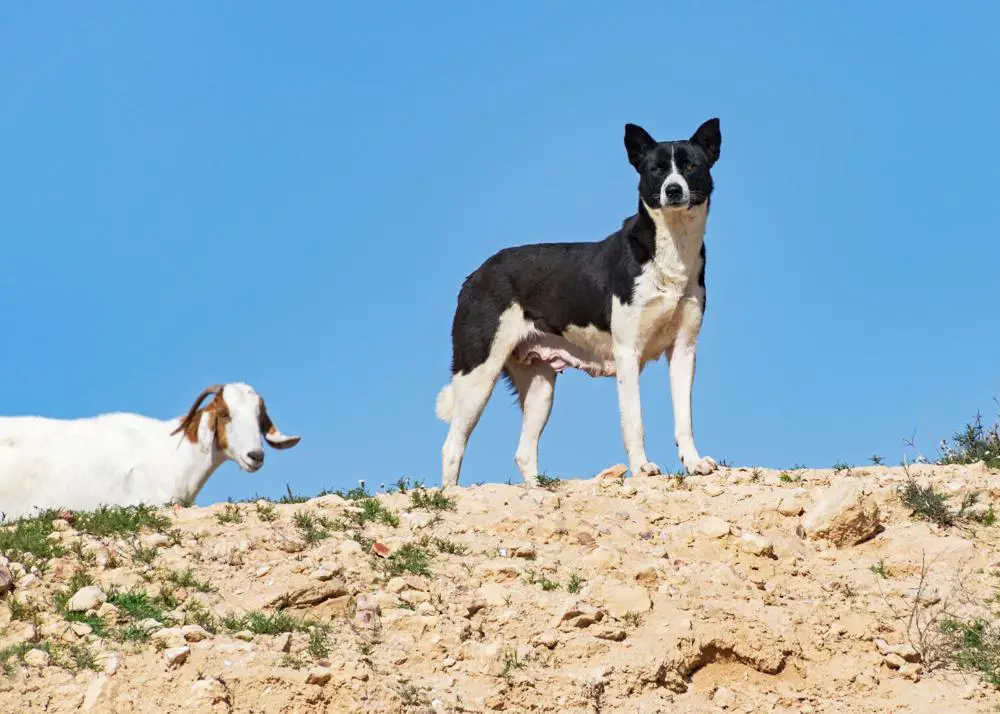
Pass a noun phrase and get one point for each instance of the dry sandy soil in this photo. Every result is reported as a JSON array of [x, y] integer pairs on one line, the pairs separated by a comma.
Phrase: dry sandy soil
[[744, 591]]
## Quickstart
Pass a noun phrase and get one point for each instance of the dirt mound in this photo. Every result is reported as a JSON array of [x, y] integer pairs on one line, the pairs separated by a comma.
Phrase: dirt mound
[[750, 590]]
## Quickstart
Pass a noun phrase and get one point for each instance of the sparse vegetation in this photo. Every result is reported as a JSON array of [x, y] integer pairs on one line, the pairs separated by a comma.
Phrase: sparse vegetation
[[412, 696], [547, 482], [229, 515], [443, 545], [137, 605], [511, 663], [188, 579], [28, 540], [433, 500], [409, 558], [290, 497], [574, 584], [314, 528], [876, 460], [266, 511], [632, 619], [73, 657], [974, 443], [879, 569], [786, 477], [931, 505], [975, 646], [842, 468], [120, 521], [142, 555], [262, 623]]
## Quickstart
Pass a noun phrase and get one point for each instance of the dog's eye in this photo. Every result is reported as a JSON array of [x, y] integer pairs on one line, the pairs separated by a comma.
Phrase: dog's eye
[[691, 168], [657, 170]]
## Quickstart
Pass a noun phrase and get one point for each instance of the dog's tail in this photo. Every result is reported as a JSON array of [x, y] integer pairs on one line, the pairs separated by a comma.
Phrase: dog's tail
[[445, 404]]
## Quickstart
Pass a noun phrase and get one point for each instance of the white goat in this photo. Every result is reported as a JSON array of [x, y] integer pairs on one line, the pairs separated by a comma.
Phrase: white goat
[[125, 459]]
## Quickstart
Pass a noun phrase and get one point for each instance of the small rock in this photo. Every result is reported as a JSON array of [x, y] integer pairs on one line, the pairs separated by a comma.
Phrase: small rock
[[149, 625], [322, 574], [612, 473], [473, 607], [906, 651], [208, 692], [714, 527], [548, 639], [245, 635], [396, 585], [381, 550], [791, 506], [37, 658], [88, 598], [194, 633], [882, 646], [156, 540], [176, 656], [756, 544], [319, 675], [262, 571], [81, 629], [168, 635], [283, 642], [843, 515], [723, 698], [910, 670], [366, 619], [414, 582], [713, 489], [580, 616], [525, 550], [350, 549], [615, 634], [107, 611], [620, 600], [894, 660], [6, 580]]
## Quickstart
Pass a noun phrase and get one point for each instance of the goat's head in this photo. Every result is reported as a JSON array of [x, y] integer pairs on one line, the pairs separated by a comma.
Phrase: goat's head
[[236, 422]]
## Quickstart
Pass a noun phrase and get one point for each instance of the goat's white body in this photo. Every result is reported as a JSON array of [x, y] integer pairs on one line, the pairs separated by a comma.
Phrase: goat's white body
[[80, 464]]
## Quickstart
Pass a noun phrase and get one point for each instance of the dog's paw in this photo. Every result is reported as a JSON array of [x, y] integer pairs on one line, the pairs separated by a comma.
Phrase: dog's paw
[[703, 466], [648, 469]]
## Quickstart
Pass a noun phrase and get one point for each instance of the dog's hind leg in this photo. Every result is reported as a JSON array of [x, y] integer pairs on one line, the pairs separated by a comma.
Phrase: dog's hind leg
[[535, 385], [471, 390]]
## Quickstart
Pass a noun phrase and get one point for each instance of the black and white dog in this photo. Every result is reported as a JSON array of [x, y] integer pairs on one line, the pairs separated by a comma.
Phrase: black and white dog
[[605, 307]]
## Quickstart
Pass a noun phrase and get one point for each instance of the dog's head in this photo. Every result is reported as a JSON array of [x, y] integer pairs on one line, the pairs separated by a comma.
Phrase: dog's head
[[674, 175]]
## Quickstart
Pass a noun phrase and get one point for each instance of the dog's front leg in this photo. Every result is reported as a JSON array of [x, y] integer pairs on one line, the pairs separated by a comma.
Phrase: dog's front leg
[[681, 356], [630, 410]]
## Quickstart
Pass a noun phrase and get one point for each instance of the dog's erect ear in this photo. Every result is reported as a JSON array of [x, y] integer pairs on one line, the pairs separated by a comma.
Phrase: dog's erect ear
[[638, 143], [709, 138]]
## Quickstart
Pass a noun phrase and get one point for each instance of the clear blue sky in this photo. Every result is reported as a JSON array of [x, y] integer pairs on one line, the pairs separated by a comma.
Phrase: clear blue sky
[[291, 195]]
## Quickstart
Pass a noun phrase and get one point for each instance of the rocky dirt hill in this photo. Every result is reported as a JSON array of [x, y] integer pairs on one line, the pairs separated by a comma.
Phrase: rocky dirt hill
[[750, 590]]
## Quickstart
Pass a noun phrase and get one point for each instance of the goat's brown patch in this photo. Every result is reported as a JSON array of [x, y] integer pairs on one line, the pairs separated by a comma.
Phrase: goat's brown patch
[[266, 425], [218, 414], [219, 418]]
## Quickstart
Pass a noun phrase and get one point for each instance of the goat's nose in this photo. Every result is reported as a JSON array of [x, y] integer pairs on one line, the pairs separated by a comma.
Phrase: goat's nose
[[256, 455]]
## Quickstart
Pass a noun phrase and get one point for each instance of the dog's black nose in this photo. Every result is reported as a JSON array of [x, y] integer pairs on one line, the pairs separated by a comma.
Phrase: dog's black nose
[[674, 192], [256, 455]]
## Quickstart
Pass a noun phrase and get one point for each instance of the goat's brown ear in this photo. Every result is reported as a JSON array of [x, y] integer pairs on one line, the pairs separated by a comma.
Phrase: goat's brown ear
[[272, 435], [188, 419]]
